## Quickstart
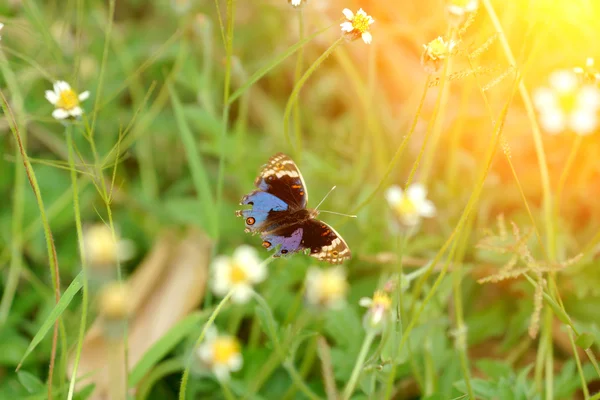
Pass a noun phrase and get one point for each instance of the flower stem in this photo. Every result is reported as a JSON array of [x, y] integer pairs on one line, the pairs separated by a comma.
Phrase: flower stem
[[208, 324], [362, 355]]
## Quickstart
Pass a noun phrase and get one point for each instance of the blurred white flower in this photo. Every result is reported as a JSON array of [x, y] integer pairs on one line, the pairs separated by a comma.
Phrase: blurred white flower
[[221, 354], [65, 100], [1, 26], [357, 25], [567, 104], [410, 206], [326, 287], [296, 3], [435, 52], [240, 272], [379, 310], [459, 8], [589, 73], [101, 249]]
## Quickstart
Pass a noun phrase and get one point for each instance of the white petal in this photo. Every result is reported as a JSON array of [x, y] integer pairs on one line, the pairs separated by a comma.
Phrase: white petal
[[347, 26], [564, 81], [588, 98], [84, 96], [236, 362], [361, 12], [553, 122], [76, 112], [456, 10], [62, 86], [365, 302], [205, 353], [258, 273], [427, 209], [59, 113], [544, 98], [242, 294], [1, 25], [367, 38], [348, 14], [246, 255], [371, 20], [211, 334], [220, 285], [51, 96], [583, 122], [221, 372], [394, 195], [416, 192]]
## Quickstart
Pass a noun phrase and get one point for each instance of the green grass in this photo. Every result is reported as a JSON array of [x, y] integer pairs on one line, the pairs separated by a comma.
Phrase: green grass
[[187, 104]]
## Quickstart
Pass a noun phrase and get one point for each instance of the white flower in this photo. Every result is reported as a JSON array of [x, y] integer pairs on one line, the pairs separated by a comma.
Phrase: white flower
[[357, 25], [296, 3], [379, 310], [327, 287], [65, 100], [567, 104], [435, 52], [410, 206], [1, 26], [240, 273], [101, 250], [221, 354], [462, 7]]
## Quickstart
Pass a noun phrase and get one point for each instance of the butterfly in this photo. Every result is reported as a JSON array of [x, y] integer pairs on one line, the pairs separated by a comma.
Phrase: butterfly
[[280, 216]]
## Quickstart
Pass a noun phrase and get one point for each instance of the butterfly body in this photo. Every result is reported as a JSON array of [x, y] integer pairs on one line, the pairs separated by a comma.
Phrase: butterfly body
[[280, 216]]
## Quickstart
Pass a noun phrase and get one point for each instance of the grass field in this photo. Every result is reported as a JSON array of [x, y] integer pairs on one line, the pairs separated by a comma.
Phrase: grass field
[[463, 135]]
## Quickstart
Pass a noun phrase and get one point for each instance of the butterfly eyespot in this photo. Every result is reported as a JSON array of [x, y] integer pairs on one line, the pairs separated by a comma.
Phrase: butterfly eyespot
[[284, 251], [251, 203], [250, 221], [278, 166], [334, 253], [266, 244]]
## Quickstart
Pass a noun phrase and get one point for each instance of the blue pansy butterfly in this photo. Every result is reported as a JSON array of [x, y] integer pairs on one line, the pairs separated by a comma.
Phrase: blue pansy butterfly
[[280, 215]]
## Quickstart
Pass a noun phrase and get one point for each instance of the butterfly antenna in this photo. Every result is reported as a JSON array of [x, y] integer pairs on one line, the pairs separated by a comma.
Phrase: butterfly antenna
[[328, 193], [337, 213]]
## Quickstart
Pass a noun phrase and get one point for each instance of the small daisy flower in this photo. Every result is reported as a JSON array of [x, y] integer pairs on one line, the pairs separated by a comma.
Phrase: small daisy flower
[[65, 100], [357, 25], [435, 52], [411, 206], [589, 74], [240, 272], [221, 354], [296, 3], [115, 308], [326, 288], [101, 250], [459, 9], [567, 105], [379, 310]]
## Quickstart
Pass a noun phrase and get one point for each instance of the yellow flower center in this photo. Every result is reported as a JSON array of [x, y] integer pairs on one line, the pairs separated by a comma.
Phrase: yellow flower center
[[360, 23], [237, 274], [437, 48], [332, 288], [406, 207], [568, 101], [67, 100], [224, 348], [381, 300]]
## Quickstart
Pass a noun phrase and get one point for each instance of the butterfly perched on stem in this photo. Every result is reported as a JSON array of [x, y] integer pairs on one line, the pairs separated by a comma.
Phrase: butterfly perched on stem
[[280, 216]]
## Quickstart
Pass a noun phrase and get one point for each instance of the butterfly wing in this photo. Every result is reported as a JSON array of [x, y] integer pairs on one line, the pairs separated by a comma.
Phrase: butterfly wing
[[320, 239], [282, 178], [281, 189]]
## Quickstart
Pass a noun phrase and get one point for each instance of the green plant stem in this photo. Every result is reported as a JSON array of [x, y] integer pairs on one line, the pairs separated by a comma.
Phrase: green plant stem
[[51, 250], [186, 372], [535, 130], [549, 359], [566, 170], [299, 84], [85, 292], [399, 151], [584, 388], [297, 75], [358, 366]]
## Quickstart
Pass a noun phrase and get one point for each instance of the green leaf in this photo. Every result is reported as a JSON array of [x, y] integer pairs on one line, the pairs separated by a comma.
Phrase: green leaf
[[31, 382], [585, 340], [494, 369], [163, 346], [55, 314]]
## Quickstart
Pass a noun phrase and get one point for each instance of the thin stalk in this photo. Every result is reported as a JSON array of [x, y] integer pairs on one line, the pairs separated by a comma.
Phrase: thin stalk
[[535, 131], [52, 257], [566, 170], [584, 388], [299, 65], [399, 151], [85, 292], [549, 359], [186, 372], [358, 366], [299, 84]]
